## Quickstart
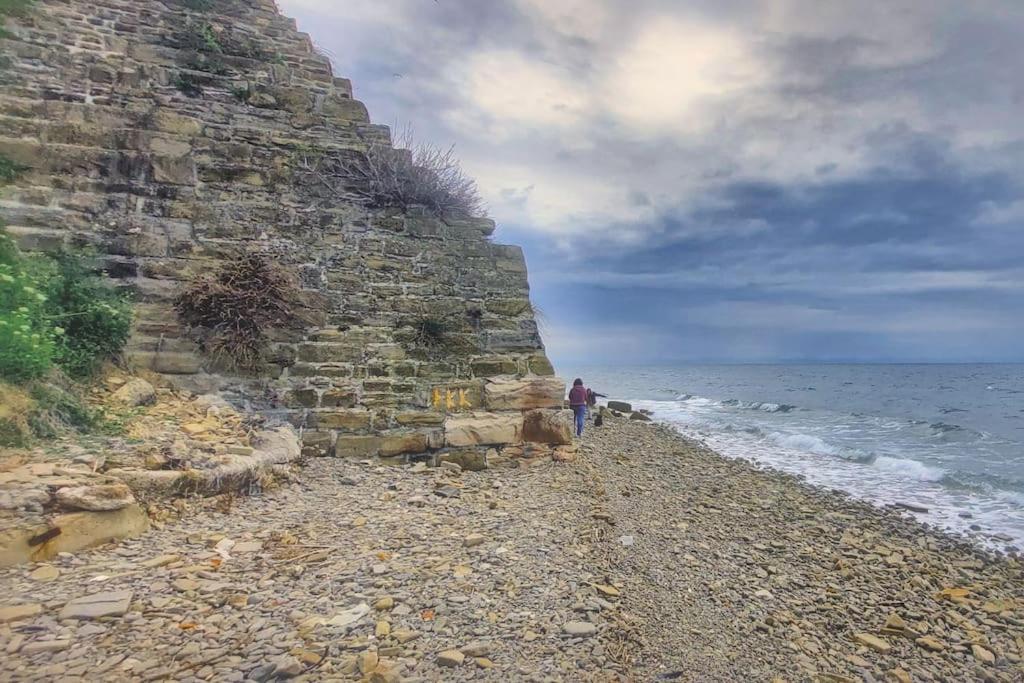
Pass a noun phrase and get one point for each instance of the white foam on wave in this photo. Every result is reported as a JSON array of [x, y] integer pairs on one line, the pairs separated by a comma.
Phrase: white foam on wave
[[911, 469], [803, 442]]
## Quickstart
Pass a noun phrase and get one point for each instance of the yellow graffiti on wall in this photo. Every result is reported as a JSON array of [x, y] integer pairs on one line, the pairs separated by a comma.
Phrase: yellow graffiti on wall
[[451, 399]]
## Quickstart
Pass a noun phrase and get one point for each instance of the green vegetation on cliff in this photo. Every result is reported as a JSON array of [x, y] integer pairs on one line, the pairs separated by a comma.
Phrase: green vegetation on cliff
[[55, 311]]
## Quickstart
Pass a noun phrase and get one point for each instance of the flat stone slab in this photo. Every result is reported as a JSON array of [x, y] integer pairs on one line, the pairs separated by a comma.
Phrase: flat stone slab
[[112, 604]]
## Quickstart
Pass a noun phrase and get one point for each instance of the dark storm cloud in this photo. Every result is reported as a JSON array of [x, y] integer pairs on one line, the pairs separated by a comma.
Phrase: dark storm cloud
[[728, 180]]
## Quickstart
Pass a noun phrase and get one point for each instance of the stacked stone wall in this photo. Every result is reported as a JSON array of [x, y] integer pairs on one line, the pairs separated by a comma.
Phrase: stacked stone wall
[[168, 139]]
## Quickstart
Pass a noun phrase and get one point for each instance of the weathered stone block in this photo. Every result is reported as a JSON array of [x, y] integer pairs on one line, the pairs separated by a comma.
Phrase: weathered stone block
[[330, 353], [509, 307], [478, 429], [400, 443], [496, 365], [302, 398], [539, 364], [341, 419], [174, 170], [548, 426], [357, 446], [317, 444], [339, 398], [420, 419], [511, 393]]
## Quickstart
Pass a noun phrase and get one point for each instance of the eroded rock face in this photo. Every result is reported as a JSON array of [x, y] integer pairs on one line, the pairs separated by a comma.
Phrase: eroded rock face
[[523, 393], [482, 429], [169, 158], [98, 498], [548, 426]]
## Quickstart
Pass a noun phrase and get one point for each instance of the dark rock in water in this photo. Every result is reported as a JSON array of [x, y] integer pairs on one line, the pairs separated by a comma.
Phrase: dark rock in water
[[620, 406], [911, 507], [646, 412], [965, 515], [640, 417]]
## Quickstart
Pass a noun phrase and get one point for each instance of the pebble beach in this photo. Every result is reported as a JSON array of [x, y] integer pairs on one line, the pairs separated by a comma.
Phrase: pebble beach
[[644, 557]]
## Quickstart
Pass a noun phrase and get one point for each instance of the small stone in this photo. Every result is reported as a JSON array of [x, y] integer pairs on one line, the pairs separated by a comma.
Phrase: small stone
[[858, 661], [405, 635], [45, 573], [382, 629], [368, 661], [97, 605], [983, 655], [247, 547], [384, 603], [610, 591], [580, 628], [98, 498], [931, 643], [160, 561], [45, 646], [287, 666], [872, 641], [385, 675], [184, 585], [894, 622], [900, 676], [476, 649], [473, 540], [16, 612], [483, 663], [450, 658]]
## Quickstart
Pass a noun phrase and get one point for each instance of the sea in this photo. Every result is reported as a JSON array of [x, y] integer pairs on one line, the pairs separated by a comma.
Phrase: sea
[[948, 439]]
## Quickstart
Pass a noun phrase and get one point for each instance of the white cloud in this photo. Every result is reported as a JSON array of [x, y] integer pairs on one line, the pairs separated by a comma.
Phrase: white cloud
[[672, 71]]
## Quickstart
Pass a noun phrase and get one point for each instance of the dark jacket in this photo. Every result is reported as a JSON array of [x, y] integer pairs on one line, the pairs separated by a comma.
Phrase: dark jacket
[[577, 396]]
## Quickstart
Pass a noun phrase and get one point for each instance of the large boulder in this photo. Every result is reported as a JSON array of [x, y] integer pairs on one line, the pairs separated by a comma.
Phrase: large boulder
[[98, 498], [620, 406], [469, 459], [135, 392], [479, 429], [523, 393], [548, 426]]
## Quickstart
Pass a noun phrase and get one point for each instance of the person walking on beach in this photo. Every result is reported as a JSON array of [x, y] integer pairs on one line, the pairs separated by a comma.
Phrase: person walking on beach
[[578, 403]]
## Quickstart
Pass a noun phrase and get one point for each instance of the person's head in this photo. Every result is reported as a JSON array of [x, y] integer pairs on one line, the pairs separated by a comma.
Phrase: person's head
[[577, 382]]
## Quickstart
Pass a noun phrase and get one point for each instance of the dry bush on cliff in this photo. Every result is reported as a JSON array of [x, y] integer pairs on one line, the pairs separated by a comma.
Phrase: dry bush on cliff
[[231, 309], [409, 174]]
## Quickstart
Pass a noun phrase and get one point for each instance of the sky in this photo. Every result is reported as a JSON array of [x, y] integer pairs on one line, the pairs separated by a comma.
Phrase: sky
[[726, 180]]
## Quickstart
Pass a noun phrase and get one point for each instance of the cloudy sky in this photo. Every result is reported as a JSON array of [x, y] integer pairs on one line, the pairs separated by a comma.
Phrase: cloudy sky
[[727, 180]]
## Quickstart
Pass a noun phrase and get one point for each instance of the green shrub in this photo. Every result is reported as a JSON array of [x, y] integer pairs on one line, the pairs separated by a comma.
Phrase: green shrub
[[13, 8], [10, 170], [188, 84], [58, 407], [96, 318], [27, 337], [54, 310]]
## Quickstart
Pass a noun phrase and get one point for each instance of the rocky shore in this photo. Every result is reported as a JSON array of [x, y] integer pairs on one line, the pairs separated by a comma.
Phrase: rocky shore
[[647, 557], [738, 574]]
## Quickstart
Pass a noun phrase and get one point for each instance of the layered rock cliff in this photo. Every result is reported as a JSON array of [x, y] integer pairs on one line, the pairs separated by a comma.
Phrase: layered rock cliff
[[169, 136]]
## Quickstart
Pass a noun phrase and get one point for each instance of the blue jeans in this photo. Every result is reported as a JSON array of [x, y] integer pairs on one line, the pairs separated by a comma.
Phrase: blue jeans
[[581, 415]]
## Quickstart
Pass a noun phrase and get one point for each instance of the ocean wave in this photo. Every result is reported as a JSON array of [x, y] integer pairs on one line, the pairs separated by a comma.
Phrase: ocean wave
[[909, 468], [944, 427], [765, 407], [803, 442]]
